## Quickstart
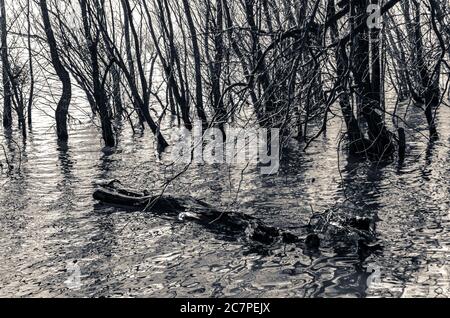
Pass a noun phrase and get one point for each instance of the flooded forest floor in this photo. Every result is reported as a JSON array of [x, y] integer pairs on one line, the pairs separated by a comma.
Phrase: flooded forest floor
[[51, 228]]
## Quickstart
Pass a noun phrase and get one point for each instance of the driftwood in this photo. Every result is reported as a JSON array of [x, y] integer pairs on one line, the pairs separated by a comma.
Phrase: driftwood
[[350, 231], [189, 208]]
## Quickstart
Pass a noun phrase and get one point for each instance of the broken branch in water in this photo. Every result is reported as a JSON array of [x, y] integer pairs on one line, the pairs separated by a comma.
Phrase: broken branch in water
[[357, 230], [189, 208]]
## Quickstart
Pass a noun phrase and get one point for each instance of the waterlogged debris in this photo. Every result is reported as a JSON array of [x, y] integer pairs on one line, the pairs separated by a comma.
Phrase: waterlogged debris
[[360, 223], [290, 238], [343, 231], [183, 216], [184, 208], [328, 229], [366, 249], [312, 242]]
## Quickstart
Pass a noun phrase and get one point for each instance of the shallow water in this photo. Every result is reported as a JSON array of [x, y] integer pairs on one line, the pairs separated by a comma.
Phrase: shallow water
[[51, 227]]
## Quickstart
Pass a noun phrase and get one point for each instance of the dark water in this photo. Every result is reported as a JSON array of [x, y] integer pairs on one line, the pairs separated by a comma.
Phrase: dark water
[[49, 220]]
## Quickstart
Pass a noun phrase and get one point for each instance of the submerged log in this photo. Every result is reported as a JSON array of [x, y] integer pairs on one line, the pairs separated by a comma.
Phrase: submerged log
[[189, 208], [356, 232]]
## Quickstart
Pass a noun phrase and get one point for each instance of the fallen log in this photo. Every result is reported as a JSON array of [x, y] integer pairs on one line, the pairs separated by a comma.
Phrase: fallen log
[[189, 208], [356, 232]]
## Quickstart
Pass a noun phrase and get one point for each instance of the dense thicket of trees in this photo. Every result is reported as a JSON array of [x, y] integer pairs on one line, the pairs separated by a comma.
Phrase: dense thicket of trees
[[290, 63]]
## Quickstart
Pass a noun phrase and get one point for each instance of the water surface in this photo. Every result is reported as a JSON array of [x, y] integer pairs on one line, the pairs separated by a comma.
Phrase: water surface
[[49, 221]]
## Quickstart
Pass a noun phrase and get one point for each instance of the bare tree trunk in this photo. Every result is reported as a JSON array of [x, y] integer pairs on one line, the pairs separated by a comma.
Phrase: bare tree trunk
[[7, 114], [438, 13], [375, 61], [198, 71], [117, 94], [354, 134], [63, 105], [267, 15], [143, 80], [237, 50], [177, 91], [369, 102], [141, 104], [130, 59], [216, 69], [115, 72], [99, 90], [397, 51], [19, 106], [429, 85], [30, 58], [260, 66]]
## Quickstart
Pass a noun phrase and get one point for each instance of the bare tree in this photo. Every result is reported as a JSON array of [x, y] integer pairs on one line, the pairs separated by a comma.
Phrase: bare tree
[[63, 105], [98, 84], [7, 114]]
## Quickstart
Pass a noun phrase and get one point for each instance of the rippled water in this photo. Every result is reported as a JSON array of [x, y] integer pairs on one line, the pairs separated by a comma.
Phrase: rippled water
[[49, 221]]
